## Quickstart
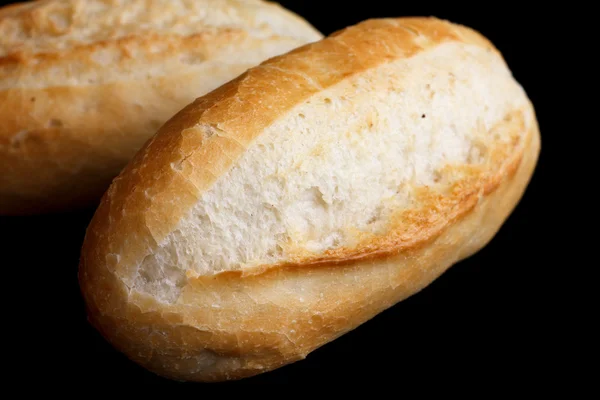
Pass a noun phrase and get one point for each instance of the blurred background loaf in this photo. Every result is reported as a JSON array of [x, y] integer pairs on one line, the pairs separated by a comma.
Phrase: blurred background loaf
[[83, 84]]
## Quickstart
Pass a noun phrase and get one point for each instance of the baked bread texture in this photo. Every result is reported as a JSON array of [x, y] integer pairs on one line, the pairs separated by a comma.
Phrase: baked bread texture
[[296, 202], [84, 83]]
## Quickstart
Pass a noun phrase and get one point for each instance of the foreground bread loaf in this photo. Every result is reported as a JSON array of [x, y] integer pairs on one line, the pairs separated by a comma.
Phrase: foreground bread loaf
[[84, 83], [296, 202]]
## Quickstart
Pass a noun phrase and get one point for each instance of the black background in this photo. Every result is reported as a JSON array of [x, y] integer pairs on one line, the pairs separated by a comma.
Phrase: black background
[[481, 320]]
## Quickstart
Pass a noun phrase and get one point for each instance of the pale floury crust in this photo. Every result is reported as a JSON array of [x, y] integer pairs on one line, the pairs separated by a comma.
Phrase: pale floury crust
[[248, 319], [83, 84]]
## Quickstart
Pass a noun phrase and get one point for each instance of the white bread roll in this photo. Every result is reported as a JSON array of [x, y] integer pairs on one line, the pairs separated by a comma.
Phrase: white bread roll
[[298, 201], [84, 83]]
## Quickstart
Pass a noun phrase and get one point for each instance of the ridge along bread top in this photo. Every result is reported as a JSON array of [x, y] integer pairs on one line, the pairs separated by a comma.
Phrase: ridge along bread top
[[83, 84], [298, 201]]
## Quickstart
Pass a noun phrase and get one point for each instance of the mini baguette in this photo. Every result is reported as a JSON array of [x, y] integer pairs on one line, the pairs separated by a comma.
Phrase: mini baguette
[[296, 202], [84, 83]]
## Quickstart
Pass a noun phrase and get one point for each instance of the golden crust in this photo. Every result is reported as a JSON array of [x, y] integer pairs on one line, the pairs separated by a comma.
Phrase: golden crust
[[237, 324], [77, 103], [50, 26]]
